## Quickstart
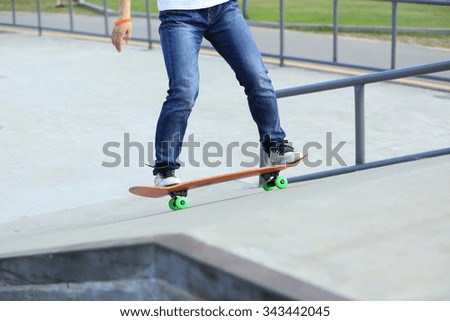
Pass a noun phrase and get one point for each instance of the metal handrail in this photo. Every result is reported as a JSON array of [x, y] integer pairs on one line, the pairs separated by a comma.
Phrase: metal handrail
[[358, 83], [366, 79]]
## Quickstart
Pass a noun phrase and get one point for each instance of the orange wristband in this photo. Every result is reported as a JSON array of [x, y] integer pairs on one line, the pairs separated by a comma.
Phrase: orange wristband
[[119, 22]]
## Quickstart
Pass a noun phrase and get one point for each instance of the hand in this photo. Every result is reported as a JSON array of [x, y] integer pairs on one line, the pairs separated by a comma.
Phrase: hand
[[119, 32]]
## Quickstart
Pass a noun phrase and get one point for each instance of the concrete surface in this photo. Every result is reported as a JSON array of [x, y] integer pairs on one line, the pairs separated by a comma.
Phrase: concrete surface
[[375, 235]]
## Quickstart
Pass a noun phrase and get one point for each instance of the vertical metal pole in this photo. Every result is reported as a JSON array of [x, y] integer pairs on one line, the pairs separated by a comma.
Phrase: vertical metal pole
[[394, 33], [105, 9], [149, 26], [281, 32], [71, 14], [335, 29], [245, 9], [263, 161], [14, 11], [39, 17], [360, 150]]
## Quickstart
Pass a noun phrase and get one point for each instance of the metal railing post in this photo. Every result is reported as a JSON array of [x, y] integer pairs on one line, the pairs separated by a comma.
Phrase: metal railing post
[[39, 17], [360, 149], [394, 33], [281, 32], [105, 9], [14, 11], [263, 162], [71, 14], [245, 8], [335, 29], [149, 26]]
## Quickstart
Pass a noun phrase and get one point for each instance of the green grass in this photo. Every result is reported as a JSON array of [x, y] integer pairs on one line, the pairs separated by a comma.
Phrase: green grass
[[352, 12]]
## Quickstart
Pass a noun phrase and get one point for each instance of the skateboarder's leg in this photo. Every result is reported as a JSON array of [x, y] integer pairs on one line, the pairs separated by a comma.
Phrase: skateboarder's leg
[[232, 38], [180, 41]]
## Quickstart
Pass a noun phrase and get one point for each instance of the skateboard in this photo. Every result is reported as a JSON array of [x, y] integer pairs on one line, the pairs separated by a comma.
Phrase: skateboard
[[178, 192]]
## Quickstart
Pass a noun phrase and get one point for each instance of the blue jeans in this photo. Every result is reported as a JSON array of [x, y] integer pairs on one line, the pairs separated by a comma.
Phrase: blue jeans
[[181, 33]]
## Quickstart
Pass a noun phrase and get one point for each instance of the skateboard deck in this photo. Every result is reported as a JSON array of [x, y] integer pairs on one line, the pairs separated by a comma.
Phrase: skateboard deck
[[178, 193]]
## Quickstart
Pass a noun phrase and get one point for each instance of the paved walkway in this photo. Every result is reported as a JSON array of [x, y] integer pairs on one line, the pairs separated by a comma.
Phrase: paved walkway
[[372, 235]]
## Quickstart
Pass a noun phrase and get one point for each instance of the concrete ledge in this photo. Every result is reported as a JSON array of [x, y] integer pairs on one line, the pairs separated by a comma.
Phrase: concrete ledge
[[170, 267]]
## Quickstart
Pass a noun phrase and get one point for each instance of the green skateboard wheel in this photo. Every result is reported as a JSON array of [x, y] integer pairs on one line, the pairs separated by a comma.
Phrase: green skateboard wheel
[[266, 187], [281, 182], [172, 205], [181, 202]]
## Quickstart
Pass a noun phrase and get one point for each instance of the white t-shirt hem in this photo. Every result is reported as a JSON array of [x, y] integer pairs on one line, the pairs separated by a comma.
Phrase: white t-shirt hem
[[188, 4]]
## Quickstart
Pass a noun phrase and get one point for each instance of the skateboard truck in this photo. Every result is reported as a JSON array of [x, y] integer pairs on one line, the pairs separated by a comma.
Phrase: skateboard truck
[[178, 200], [272, 180]]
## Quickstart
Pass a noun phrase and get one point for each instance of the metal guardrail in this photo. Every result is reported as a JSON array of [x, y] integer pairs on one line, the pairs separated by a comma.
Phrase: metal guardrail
[[335, 61], [359, 83], [394, 22]]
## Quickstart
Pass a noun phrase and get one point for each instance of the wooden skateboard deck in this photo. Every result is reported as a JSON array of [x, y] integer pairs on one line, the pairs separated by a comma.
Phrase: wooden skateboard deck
[[178, 192]]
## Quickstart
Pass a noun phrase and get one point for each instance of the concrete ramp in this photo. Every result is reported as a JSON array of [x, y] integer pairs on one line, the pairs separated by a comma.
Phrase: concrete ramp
[[380, 234]]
